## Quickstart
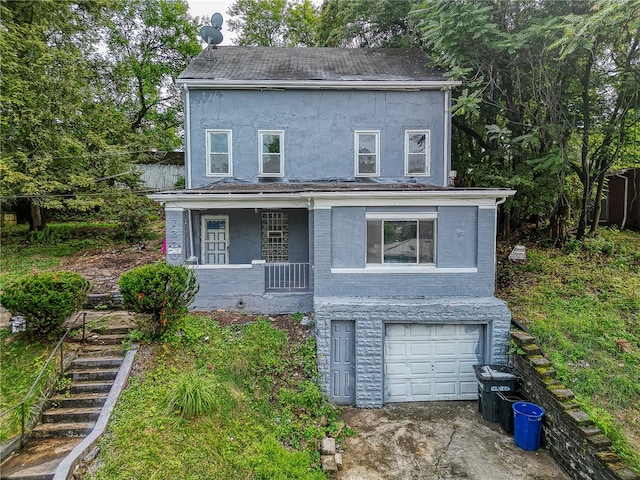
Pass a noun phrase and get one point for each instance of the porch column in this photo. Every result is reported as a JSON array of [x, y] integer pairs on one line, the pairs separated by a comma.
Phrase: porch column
[[175, 235]]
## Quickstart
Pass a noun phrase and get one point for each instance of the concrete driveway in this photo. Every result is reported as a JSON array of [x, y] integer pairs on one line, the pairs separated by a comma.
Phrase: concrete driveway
[[436, 440]]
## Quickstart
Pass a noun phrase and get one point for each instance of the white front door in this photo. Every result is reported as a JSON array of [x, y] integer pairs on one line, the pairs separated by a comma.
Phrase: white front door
[[215, 239], [431, 362]]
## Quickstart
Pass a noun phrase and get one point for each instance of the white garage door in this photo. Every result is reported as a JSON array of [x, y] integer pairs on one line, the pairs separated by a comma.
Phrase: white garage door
[[431, 362]]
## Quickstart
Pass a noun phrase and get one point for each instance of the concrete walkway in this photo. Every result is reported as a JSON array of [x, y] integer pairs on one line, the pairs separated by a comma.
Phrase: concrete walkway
[[436, 441]]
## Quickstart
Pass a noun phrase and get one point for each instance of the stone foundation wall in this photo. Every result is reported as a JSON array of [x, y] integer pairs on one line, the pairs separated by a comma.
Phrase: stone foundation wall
[[568, 432]]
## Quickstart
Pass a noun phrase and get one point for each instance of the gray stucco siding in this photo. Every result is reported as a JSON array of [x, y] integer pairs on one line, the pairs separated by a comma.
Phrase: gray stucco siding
[[457, 238], [318, 129]]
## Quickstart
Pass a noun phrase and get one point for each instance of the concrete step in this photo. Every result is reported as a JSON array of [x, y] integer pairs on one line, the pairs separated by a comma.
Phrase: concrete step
[[102, 339], [62, 430], [114, 330], [78, 400], [92, 375], [90, 387], [85, 363], [91, 350], [38, 460], [71, 415]]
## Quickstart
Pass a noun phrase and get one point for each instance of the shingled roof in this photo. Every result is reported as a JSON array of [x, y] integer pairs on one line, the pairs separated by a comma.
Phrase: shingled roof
[[311, 64]]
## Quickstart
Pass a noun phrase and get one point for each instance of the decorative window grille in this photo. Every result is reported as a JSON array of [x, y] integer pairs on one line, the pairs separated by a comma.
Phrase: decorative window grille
[[275, 237]]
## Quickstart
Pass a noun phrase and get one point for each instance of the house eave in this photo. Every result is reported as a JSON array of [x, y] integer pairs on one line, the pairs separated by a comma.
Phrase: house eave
[[222, 84], [487, 198]]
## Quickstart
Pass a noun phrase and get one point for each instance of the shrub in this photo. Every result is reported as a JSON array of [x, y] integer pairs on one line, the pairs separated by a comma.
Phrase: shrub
[[133, 215], [46, 299], [161, 290]]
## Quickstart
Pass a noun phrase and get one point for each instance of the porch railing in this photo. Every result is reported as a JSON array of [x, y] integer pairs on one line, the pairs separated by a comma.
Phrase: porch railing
[[286, 277]]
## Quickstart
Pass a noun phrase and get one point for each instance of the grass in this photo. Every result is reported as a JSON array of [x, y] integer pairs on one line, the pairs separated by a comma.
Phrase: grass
[[220, 402], [583, 304], [22, 360], [23, 252]]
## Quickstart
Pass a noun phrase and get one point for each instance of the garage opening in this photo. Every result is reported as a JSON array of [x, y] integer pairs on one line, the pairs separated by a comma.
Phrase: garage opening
[[425, 362]]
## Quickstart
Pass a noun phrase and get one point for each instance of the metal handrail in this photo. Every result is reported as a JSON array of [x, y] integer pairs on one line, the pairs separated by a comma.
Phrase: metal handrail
[[22, 404]]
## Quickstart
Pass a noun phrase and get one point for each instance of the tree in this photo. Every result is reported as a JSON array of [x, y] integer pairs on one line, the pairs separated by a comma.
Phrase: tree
[[548, 87], [49, 123], [507, 124], [366, 23], [69, 114], [150, 42], [274, 23], [606, 40]]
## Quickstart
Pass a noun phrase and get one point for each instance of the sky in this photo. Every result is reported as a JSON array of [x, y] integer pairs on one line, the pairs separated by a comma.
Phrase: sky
[[206, 8]]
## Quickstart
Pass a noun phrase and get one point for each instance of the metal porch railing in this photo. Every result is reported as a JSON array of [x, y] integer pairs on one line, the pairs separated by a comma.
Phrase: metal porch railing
[[287, 277]]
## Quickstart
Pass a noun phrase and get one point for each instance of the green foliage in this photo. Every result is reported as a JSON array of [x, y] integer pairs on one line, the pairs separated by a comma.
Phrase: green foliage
[[22, 359], [366, 23], [252, 429], [164, 291], [194, 395], [45, 299], [135, 215], [583, 305], [274, 23]]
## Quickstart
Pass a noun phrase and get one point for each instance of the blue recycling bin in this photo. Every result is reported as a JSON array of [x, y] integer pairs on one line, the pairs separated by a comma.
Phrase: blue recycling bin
[[527, 425]]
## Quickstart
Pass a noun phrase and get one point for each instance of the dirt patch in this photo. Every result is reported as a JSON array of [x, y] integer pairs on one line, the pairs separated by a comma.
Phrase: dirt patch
[[104, 267]]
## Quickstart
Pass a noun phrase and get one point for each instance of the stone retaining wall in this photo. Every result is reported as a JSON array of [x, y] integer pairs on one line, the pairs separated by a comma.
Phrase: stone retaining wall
[[568, 432]]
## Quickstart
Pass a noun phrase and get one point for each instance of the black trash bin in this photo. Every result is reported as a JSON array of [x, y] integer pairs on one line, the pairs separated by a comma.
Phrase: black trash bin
[[505, 408], [491, 380]]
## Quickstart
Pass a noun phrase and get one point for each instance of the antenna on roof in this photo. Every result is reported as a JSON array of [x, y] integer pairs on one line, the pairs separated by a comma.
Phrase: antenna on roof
[[211, 34]]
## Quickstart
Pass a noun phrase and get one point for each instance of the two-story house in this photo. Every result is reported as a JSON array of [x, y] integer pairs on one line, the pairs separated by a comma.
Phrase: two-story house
[[317, 179]]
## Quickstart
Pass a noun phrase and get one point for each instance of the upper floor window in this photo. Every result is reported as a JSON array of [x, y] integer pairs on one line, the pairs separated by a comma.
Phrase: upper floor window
[[218, 153], [401, 239], [271, 148], [367, 148], [417, 157]]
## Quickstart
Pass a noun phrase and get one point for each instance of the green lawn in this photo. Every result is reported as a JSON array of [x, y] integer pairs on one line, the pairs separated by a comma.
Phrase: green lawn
[[583, 305], [265, 420]]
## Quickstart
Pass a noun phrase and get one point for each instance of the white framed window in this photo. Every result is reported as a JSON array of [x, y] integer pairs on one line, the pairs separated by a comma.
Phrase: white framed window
[[367, 153], [401, 239], [271, 150], [219, 153], [417, 152]]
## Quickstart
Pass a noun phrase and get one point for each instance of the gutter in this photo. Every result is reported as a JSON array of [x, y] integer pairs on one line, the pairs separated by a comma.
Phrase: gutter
[[203, 83]]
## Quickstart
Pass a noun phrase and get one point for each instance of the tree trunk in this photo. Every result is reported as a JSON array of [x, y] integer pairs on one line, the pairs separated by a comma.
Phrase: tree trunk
[[598, 207], [36, 223], [559, 220]]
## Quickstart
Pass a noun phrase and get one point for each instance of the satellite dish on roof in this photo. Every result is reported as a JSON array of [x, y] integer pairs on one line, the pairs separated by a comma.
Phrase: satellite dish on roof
[[216, 21], [211, 34]]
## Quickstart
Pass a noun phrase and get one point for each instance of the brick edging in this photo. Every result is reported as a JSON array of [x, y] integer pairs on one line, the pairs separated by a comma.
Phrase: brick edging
[[570, 435]]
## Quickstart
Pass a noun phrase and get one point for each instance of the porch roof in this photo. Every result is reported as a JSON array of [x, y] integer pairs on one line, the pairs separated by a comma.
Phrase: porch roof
[[324, 193]]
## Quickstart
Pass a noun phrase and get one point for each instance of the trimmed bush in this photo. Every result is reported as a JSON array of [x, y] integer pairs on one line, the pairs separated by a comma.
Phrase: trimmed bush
[[46, 299], [161, 290]]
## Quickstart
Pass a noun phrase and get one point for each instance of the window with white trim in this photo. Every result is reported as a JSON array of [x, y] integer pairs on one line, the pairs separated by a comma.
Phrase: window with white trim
[[401, 239], [367, 152], [417, 152], [271, 150], [219, 153]]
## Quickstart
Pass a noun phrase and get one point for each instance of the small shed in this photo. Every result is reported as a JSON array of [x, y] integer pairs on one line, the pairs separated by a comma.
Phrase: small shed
[[621, 204]]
